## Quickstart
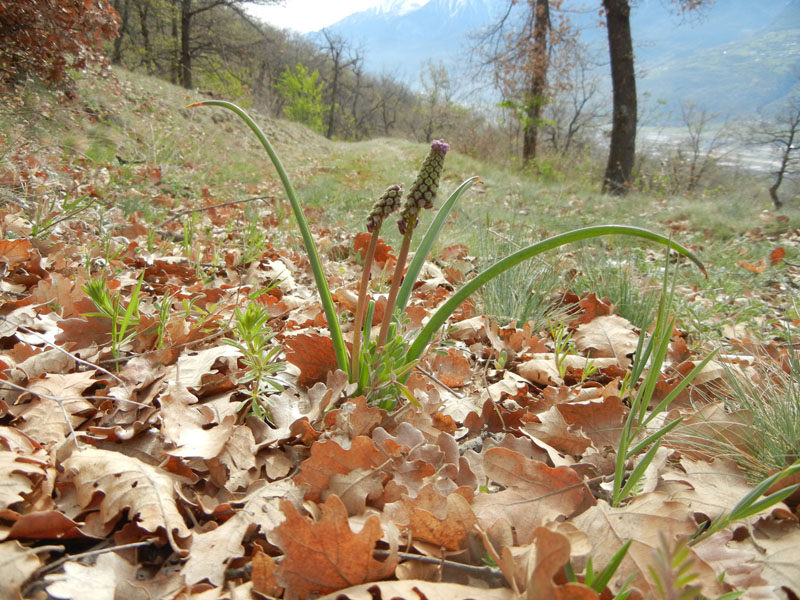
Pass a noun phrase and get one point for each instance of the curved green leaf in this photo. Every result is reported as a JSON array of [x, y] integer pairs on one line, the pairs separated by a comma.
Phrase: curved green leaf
[[440, 316], [311, 249]]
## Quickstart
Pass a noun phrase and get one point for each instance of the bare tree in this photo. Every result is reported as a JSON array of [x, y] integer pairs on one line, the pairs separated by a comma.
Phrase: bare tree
[[704, 143], [341, 56], [578, 105], [189, 10], [436, 98], [782, 132], [517, 50]]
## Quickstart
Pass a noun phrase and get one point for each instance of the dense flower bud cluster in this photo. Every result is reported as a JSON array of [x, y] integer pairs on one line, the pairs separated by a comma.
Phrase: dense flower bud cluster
[[423, 190], [386, 205]]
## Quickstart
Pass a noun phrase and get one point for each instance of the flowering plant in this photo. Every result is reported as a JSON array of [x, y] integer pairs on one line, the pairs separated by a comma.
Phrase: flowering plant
[[421, 195]]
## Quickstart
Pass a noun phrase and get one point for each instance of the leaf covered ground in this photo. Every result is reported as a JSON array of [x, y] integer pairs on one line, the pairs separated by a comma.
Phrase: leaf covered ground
[[135, 468]]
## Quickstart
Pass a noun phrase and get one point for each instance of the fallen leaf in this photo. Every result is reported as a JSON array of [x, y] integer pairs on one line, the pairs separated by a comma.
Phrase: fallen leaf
[[213, 550], [777, 255], [313, 355], [352, 472], [148, 493], [534, 493], [416, 589], [608, 336], [17, 563], [452, 369], [757, 267], [98, 582], [327, 556]]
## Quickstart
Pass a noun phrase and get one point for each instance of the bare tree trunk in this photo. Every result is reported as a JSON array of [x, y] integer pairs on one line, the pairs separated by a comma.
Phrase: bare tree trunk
[[786, 155], [186, 55], [122, 7], [538, 79], [622, 151]]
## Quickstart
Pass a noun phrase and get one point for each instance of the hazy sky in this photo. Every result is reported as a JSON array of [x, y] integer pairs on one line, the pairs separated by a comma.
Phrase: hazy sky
[[310, 15]]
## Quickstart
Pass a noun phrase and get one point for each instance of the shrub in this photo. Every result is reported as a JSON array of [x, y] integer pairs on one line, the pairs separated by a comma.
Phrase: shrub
[[42, 38]]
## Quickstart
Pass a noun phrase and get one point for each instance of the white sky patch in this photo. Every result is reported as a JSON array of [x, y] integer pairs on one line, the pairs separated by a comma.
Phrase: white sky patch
[[313, 15], [310, 15]]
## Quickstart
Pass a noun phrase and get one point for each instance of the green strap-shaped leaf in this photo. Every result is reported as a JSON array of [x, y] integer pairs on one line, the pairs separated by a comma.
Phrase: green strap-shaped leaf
[[440, 316], [311, 249], [424, 248]]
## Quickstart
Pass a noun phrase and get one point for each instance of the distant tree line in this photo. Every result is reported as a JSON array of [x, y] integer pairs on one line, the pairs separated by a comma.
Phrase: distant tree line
[[551, 101]]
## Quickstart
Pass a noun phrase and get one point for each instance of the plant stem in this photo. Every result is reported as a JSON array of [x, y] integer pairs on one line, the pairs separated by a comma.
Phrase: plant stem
[[398, 277], [361, 306]]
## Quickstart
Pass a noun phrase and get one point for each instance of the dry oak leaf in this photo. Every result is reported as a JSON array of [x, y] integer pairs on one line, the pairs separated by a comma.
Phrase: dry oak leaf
[[553, 429], [738, 565], [313, 355], [445, 525], [452, 369], [609, 336], [98, 582], [551, 551], [352, 472], [128, 483], [534, 493], [643, 520], [213, 550], [263, 574], [44, 419], [600, 419], [18, 473], [417, 589], [191, 368], [775, 545], [777, 255], [17, 563], [710, 488], [326, 556]]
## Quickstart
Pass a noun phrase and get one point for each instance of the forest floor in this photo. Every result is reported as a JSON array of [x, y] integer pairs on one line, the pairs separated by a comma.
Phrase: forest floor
[[138, 461]]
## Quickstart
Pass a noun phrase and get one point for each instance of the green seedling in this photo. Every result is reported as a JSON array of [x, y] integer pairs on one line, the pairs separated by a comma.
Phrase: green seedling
[[598, 580], [124, 319], [253, 338], [562, 346], [635, 437], [752, 504]]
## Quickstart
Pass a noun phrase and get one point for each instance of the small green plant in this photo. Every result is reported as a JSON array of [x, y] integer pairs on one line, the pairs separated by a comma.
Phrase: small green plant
[[674, 575], [421, 195], [562, 346], [752, 504], [48, 214], [635, 436], [598, 580], [769, 409], [124, 319], [163, 312], [259, 355]]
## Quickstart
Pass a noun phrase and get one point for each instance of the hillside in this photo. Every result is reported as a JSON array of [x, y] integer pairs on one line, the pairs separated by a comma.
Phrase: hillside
[[177, 420]]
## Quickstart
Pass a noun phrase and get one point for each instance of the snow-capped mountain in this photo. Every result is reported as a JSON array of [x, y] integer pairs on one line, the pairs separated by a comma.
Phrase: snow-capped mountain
[[735, 56], [399, 36]]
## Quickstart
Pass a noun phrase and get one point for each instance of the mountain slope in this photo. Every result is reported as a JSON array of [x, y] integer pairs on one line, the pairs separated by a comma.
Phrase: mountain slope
[[735, 56]]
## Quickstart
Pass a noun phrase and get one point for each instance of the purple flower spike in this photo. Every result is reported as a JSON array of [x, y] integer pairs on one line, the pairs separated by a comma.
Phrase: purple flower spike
[[423, 191], [440, 145]]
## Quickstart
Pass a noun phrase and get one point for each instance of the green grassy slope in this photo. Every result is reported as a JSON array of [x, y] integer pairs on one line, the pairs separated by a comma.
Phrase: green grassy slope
[[133, 141]]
